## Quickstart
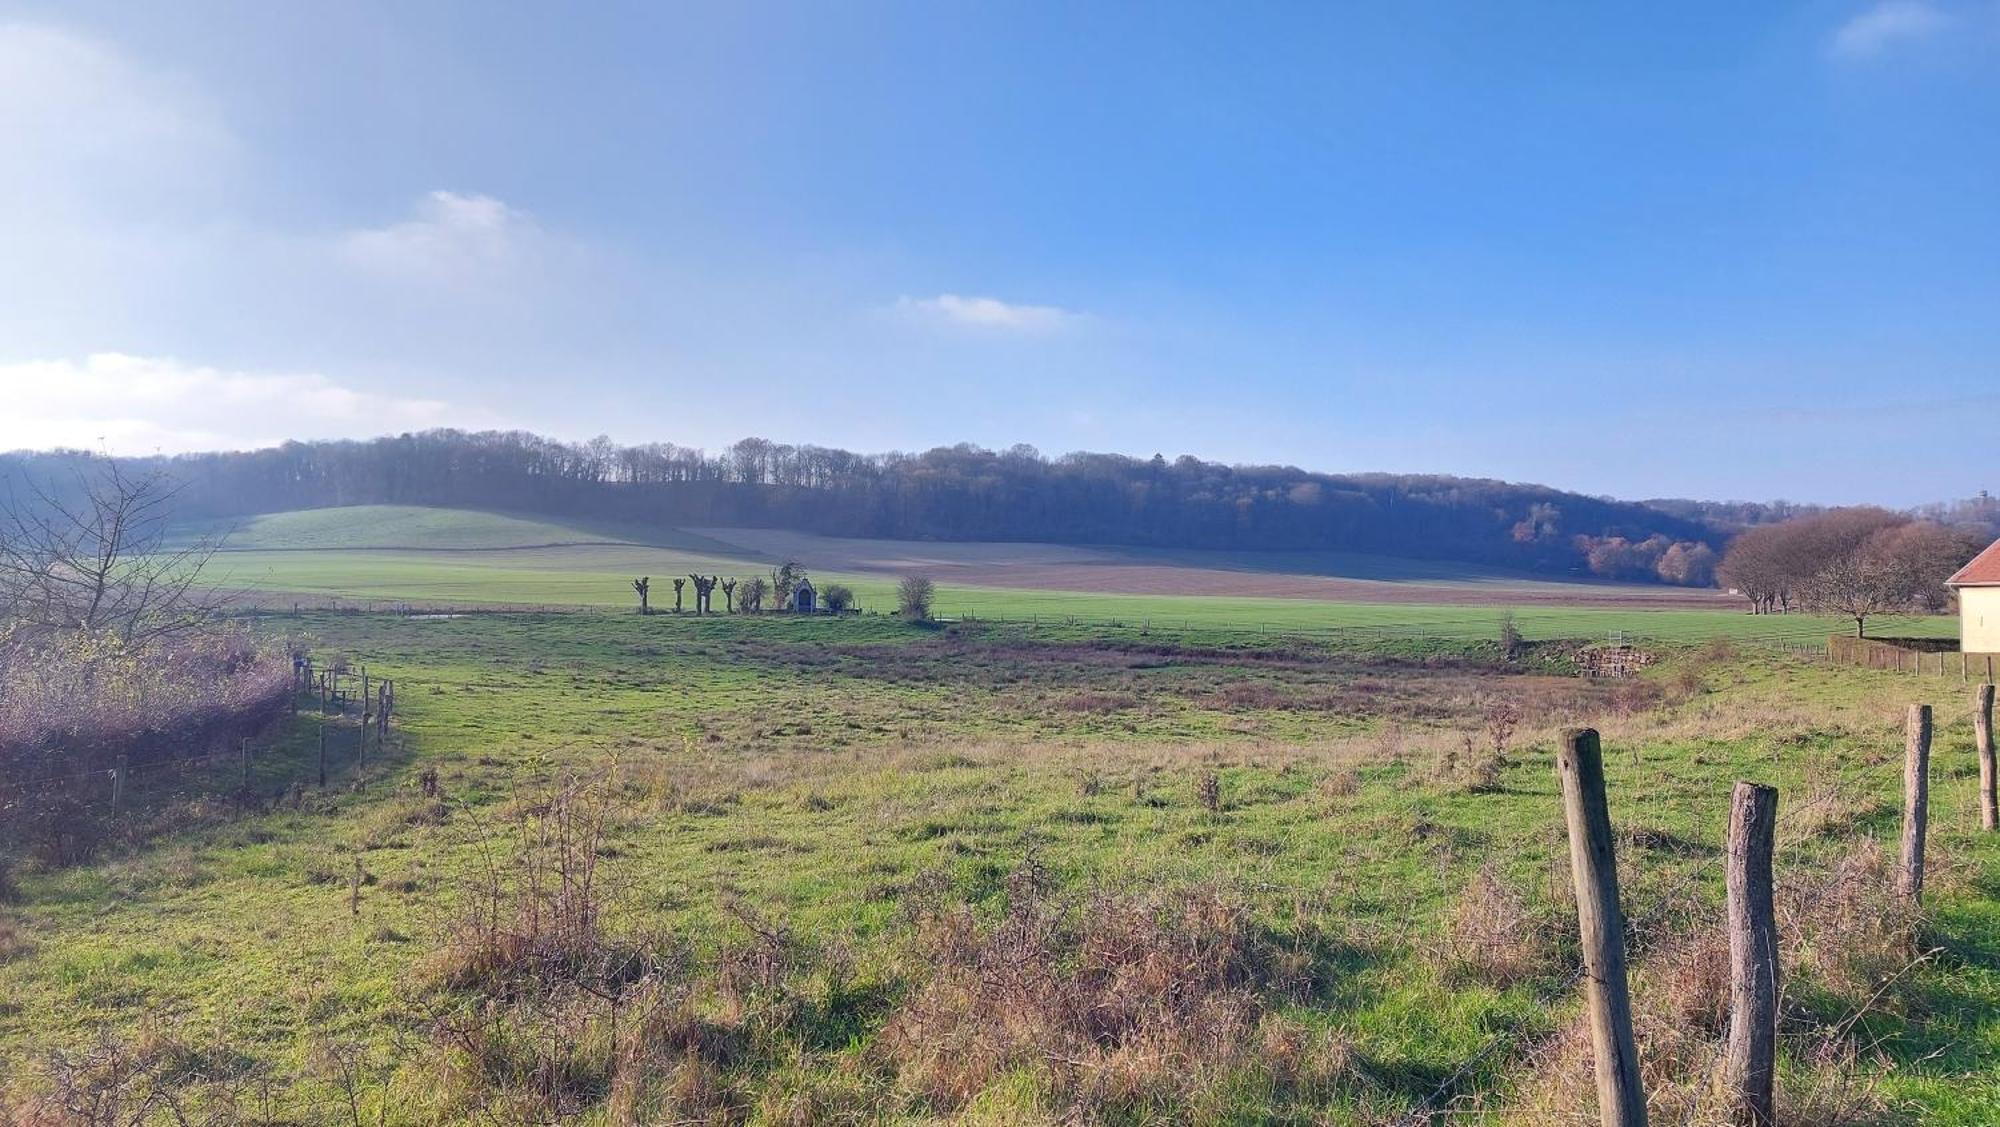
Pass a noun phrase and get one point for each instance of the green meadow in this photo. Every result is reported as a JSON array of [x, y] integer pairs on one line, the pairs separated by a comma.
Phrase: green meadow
[[811, 835], [386, 555]]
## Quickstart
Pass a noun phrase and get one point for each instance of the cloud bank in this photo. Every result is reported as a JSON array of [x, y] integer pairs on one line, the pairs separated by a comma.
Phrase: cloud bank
[[144, 405]]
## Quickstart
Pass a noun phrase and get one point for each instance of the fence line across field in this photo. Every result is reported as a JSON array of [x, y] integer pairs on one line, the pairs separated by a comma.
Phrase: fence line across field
[[1751, 926], [1799, 638]]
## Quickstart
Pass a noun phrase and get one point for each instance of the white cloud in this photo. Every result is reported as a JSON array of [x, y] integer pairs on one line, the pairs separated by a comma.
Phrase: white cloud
[[140, 405], [987, 313], [1887, 25], [456, 239]]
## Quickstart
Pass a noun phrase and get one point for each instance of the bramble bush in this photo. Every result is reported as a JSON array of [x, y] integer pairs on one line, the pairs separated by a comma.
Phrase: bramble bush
[[75, 703]]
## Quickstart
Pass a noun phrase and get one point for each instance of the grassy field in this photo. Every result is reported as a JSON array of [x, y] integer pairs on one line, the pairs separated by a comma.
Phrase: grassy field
[[415, 526], [857, 870], [350, 555]]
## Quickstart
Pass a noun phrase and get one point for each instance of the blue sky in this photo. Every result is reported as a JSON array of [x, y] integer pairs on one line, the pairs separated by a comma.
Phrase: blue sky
[[1701, 249]]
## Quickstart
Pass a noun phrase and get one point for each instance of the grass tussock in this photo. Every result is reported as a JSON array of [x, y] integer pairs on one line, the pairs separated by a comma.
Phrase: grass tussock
[[1493, 935], [1107, 1005]]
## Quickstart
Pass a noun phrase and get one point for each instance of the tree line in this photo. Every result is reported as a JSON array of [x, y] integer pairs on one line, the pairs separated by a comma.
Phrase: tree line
[[1856, 563], [961, 492]]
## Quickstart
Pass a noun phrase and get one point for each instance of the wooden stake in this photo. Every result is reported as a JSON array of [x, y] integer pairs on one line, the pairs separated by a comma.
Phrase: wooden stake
[[367, 714], [1916, 801], [1621, 1097], [1749, 1062], [1982, 729]]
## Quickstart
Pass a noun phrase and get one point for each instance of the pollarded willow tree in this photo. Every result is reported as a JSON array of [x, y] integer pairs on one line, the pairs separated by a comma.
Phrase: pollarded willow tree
[[704, 592]]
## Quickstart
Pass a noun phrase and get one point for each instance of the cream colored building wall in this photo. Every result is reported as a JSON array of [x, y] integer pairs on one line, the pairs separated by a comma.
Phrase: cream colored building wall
[[1979, 620]]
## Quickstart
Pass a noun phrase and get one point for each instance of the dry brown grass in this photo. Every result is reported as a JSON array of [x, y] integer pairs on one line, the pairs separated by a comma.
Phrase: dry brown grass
[[161, 1074], [1492, 935], [1846, 937], [1135, 1003], [1845, 927]]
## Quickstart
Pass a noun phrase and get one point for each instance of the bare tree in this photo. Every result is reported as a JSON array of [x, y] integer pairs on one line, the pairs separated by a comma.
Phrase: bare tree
[[1754, 565], [101, 559], [785, 580], [644, 585], [913, 597], [1778, 564], [729, 595], [755, 589], [1858, 584], [678, 585], [1923, 555]]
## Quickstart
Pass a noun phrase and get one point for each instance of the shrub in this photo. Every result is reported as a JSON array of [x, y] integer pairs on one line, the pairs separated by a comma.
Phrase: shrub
[[1208, 789], [913, 597], [75, 702], [837, 598]]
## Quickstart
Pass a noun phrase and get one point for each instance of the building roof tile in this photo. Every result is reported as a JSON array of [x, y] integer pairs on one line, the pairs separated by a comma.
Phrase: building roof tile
[[1983, 571]]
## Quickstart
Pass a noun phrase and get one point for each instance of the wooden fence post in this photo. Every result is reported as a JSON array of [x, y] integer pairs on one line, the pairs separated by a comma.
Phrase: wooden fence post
[[1916, 801], [1982, 727], [367, 716], [1621, 1097], [1750, 1061]]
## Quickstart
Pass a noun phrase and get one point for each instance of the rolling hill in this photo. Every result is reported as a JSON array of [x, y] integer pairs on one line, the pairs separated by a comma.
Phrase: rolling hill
[[458, 557]]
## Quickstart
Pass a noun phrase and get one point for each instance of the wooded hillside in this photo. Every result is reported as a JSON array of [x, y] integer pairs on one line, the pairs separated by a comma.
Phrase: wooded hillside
[[958, 493]]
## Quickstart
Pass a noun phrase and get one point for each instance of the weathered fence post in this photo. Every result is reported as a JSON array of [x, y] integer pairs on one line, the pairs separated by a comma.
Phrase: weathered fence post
[[117, 785], [367, 715], [1916, 801], [1982, 727], [1621, 1097], [1749, 1063]]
